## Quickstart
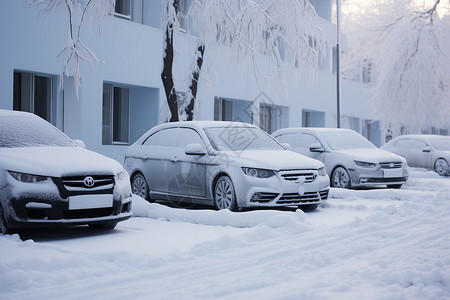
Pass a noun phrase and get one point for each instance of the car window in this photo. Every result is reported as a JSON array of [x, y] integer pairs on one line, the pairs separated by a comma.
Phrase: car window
[[239, 138], [290, 138], [346, 140], [306, 140], [410, 144], [188, 136], [168, 137], [30, 131], [152, 140], [441, 144]]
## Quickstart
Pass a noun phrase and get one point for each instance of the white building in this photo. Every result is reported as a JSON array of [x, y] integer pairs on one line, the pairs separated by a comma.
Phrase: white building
[[121, 98]]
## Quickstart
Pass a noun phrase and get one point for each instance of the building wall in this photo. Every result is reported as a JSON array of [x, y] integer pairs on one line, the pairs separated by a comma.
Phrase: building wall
[[131, 55]]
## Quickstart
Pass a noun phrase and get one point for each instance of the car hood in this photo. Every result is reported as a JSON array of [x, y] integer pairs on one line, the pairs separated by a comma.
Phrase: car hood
[[371, 155], [56, 161], [272, 159]]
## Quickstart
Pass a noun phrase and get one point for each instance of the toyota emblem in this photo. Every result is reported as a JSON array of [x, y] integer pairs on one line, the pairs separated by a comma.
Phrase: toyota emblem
[[89, 181]]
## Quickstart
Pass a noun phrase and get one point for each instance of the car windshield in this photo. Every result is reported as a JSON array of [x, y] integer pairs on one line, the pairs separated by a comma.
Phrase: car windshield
[[239, 138], [30, 131], [346, 140], [441, 144]]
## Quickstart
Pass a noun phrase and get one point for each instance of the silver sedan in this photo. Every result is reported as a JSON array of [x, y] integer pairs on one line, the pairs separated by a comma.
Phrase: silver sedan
[[349, 158], [224, 164], [427, 151]]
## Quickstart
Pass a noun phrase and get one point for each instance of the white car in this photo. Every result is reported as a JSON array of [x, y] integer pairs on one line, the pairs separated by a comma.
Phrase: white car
[[350, 159], [224, 164], [47, 179], [427, 151]]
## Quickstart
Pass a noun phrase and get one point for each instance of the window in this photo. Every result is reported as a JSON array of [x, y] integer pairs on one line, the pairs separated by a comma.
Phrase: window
[[367, 72], [232, 110], [183, 7], [116, 114], [33, 93], [168, 137], [311, 118], [306, 140], [273, 117], [123, 9], [188, 136], [410, 144]]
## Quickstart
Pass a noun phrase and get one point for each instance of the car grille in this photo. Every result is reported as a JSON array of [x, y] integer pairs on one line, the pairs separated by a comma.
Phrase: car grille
[[295, 175], [75, 185], [391, 165], [295, 198]]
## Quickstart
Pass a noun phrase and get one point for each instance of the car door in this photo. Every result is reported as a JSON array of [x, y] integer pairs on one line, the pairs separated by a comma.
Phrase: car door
[[304, 143], [188, 172], [159, 152], [413, 151]]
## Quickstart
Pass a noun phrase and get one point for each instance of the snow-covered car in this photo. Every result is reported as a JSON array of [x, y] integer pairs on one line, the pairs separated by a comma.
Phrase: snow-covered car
[[427, 151], [48, 179], [350, 159], [229, 165]]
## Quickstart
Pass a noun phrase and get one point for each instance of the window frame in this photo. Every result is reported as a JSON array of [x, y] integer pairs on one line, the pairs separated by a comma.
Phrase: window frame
[[111, 124]]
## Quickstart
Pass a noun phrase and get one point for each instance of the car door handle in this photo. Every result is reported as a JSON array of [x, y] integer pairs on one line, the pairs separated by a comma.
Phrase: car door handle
[[174, 159]]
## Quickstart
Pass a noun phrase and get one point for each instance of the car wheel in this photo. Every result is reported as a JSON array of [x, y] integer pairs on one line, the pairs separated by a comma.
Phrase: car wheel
[[139, 186], [441, 167], [340, 178], [309, 207], [224, 194], [103, 226], [3, 228], [394, 186]]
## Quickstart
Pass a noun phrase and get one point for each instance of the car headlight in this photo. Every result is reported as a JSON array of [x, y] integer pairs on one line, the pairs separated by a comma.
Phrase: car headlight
[[322, 171], [259, 173], [364, 164], [27, 178]]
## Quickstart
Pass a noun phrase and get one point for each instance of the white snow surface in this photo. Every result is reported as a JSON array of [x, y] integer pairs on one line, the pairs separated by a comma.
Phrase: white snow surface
[[364, 244]]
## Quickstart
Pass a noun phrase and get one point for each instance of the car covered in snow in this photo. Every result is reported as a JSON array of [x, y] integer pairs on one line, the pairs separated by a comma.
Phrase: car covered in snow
[[47, 179], [427, 151], [229, 165], [350, 159]]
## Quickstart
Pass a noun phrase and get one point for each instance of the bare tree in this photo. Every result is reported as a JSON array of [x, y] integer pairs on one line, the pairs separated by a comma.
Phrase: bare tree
[[283, 29], [406, 46], [91, 11]]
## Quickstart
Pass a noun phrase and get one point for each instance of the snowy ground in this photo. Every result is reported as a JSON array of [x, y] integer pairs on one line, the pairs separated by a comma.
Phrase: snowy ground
[[365, 244]]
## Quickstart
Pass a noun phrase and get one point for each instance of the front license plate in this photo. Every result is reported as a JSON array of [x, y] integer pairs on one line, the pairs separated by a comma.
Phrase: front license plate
[[393, 173], [90, 201]]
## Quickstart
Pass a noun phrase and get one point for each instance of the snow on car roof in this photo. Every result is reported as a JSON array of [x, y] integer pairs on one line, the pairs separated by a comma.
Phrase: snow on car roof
[[424, 136], [311, 129]]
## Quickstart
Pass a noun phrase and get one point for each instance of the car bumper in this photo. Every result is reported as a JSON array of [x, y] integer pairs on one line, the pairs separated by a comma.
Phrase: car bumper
[[277, 191], [38, 212], [378, 176]]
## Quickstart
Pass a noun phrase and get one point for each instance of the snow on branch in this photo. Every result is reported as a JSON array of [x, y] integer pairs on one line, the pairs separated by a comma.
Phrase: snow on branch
[[283, 29], [78, 12], [409, 49]]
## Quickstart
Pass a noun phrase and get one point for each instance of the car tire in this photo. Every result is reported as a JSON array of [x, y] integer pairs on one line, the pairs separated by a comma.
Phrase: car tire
[[224, 194], [441, 167], [103, 226], [139, 186], [308, 207], [394, 186], [3, 227], [340, 178]]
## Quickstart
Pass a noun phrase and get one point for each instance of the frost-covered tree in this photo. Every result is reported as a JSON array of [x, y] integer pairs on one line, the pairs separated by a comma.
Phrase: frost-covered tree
[[407, 46], [283, 29], [78, 13]]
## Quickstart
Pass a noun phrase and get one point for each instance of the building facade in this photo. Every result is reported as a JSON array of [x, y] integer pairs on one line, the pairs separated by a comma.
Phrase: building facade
[[122, 97]]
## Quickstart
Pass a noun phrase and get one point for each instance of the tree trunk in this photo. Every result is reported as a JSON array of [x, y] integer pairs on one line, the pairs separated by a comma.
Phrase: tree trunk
[[194, 83], [166, 75]]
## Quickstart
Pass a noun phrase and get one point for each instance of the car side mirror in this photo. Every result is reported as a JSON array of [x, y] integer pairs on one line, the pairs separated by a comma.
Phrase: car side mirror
[[316, 147], [287, 146], [194, 149], [80, 143], [426, 149]]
